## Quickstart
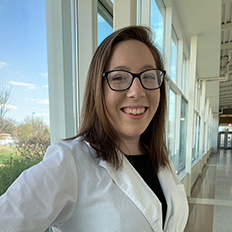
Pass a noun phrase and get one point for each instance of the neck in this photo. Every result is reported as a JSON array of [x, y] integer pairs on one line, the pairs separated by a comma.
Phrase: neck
[[132, 147]]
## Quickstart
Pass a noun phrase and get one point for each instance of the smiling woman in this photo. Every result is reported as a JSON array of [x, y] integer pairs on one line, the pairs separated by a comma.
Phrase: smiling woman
[[120, 176]]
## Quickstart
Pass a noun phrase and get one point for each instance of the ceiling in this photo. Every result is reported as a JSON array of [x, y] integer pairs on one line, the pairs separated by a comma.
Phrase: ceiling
[[211, 20]]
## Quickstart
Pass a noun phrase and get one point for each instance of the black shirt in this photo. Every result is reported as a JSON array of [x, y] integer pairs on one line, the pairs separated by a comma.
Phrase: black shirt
[[143, 165]]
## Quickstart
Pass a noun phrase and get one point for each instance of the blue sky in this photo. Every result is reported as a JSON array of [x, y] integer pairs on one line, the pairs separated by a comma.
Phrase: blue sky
[[23, 57]]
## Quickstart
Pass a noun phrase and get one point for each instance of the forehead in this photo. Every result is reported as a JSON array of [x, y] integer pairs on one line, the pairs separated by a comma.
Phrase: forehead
[[132, 54]]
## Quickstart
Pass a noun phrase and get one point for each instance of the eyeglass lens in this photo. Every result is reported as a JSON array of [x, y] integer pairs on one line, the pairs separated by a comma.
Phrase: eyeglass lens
[[120, 80]]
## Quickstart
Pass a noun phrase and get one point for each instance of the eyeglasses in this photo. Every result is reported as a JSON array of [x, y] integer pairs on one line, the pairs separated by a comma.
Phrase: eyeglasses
[[120, 80]]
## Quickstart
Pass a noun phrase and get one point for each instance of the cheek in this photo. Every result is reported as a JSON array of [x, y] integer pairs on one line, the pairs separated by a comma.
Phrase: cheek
[[155, 98], [109, 98]]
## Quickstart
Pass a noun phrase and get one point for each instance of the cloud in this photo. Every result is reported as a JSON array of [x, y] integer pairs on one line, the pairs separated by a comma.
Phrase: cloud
[[27, 85], [34, 108], [9, 107], [43, 74], [45, 86], [2, 64], [40, 101], [6, 86]]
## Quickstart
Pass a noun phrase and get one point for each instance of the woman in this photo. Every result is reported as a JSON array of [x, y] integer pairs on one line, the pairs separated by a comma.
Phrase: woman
[[115, 175]]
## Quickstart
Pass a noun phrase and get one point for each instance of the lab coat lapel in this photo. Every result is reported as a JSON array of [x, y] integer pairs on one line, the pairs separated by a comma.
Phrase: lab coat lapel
[[166, 185], [130, 182], [175, 197]]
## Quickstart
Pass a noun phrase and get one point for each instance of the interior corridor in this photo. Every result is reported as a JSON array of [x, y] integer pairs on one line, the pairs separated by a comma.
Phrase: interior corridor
[[210, 205]]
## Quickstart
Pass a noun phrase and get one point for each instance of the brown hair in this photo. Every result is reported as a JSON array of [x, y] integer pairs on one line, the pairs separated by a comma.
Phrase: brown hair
[[95, 126]]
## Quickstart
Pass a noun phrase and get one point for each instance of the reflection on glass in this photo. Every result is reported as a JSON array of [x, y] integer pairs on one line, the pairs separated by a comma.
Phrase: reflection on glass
[[183, 133], [171, 129], [157, 22]]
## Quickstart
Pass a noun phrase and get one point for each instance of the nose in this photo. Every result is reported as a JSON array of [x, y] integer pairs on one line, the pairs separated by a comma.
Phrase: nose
[[136, 90]]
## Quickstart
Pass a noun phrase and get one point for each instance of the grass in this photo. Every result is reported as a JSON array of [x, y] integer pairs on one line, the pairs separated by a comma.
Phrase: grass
[[6, 153]]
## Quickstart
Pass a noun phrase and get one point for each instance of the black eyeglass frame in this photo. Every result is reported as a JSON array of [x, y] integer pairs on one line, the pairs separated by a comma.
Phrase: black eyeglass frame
[[134, 75]]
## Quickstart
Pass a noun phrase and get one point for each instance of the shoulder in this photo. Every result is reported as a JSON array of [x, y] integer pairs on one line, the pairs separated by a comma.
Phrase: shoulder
[[69, 149]]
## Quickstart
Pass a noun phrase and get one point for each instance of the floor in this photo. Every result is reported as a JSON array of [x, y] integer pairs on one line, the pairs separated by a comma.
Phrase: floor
[[210, 205]]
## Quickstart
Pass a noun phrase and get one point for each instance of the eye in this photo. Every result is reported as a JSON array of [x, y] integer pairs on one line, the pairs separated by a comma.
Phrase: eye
[[118, 77], [149, 77]]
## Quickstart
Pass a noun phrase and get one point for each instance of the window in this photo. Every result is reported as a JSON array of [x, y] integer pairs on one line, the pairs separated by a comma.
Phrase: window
[[184, 77], [173, 56], [198, 96], [23, 59], [194, 155], [24, 75], [183, 133], [105, 22], [157, 22], [198, 138], [171, 129], [23, 71], [204, 138]]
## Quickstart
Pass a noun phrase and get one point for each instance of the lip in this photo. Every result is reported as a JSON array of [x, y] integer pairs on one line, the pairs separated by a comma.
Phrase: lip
[[134, 116]]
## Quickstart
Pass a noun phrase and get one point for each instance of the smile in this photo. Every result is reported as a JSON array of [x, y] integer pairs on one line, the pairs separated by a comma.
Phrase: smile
[[134, 111]]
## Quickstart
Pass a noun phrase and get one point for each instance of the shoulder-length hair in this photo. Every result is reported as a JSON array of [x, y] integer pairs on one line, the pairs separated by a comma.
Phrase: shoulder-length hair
[[95, 127]]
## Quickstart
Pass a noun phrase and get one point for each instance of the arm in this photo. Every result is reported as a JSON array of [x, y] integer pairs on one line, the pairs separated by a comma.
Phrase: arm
[[43, 195]]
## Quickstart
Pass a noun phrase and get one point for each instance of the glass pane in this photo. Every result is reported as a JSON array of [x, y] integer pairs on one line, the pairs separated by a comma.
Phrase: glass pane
[[24, 77], [229, 139], [23, 60], [204, 137], [198, 139], [104, 29], [183, 82], [157, 22], [171, 129], [183, 133], [173, 61], [194, 138]]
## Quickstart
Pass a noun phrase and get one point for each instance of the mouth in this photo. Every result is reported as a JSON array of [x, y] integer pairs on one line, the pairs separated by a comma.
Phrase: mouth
[[134, 111]]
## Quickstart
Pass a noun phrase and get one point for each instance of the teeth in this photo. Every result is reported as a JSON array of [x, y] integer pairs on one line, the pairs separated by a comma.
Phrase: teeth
[[134, 111]]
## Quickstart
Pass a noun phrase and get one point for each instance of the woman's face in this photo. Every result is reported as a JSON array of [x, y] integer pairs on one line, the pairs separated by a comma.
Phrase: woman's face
[[131, 111]]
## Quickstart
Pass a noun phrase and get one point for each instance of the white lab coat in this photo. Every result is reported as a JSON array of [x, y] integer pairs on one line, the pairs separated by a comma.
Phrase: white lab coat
[[72, 190]]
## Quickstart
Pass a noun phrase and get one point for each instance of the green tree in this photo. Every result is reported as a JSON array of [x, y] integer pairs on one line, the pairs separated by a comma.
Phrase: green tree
[[7, 126], [34, 138]]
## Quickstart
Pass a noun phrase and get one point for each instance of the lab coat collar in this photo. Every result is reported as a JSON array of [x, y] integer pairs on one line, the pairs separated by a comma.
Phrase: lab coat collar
[[131, 183]]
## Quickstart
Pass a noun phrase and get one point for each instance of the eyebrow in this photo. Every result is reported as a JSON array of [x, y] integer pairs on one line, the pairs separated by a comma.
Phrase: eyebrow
[[144, 67], [147, 66]]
